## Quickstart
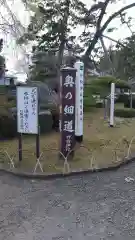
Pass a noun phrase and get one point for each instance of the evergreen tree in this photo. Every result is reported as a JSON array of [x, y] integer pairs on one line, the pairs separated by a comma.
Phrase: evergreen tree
[[53, 21], [51, 26], [123, 59], [2, 60]]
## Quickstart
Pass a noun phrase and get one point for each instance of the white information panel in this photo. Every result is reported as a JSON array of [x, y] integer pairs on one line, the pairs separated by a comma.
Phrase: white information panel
[[79, 98], [27, 110], [112, 104]]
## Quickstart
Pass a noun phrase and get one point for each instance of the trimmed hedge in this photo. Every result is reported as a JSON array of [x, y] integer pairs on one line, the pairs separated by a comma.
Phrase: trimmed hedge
[[99, 105], [8, 124], [125, 113], [89, 102], [45, 122], [101, 86], [7, 127], [122, 98], [107, 80], [94, 89], [127, 103]]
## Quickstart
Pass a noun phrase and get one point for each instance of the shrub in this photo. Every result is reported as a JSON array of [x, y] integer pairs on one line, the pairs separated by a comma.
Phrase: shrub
[[89, 102], [93, 89], [107, 80], [7, 127], [99, 105], [45, 122], [10, 98], [55, 119], [122, 98], [8, 124], [3, 89], [127, 103], [125, 113], [101, 86]]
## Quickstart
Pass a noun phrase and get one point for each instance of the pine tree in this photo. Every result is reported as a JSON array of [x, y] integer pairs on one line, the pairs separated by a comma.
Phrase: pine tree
[[53, 20], [2, 60], [51, 26]]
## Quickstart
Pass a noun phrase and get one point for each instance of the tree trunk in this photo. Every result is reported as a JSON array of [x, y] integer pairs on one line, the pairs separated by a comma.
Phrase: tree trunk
[[63, 37], [107, 55], [100, 29], [91, 47]]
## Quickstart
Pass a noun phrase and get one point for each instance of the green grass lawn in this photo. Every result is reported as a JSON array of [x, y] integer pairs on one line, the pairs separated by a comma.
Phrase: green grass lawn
[[97, 150]]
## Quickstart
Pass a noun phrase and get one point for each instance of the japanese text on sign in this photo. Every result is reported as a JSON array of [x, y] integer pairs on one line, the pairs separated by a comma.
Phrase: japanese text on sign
[[67, 122], [68, 143], [27, 110], [79, 98], [69, 81], [68, 126]]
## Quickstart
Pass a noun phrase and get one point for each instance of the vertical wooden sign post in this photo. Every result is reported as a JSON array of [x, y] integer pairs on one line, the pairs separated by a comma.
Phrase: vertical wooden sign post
[[20, 146], [79, 101], [67, 111], [112, 105]]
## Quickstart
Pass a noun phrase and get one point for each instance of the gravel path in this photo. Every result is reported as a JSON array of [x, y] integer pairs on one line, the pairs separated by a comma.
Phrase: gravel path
[[89, 207]]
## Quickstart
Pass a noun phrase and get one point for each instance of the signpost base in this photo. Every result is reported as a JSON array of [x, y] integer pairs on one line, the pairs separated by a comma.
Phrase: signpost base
[[38, 163], [111, 126], [10, 159], [37, 145], [66, 164], [69, 157], [38, 155], [20, 147]]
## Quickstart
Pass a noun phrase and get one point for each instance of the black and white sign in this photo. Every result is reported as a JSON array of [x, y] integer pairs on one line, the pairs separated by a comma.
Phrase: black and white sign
[[79, 66], [112, 104], [27, 110]]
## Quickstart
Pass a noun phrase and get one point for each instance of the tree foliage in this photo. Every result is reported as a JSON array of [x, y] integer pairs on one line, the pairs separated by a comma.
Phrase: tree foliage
[[102, 85], [52, 23], [99, 12], [2, 60], [44, 68], [123, 59], [51, 26], [56, 18], [126, 58]]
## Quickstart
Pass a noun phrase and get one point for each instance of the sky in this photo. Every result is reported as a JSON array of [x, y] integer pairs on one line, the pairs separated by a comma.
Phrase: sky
[[14, 54]]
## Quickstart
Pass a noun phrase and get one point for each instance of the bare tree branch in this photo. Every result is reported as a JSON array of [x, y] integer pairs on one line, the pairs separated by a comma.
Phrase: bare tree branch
[[101, 30], [96, 7], [18, 27], [103, 10], [115, 15], [107, 55], [113, 40]]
